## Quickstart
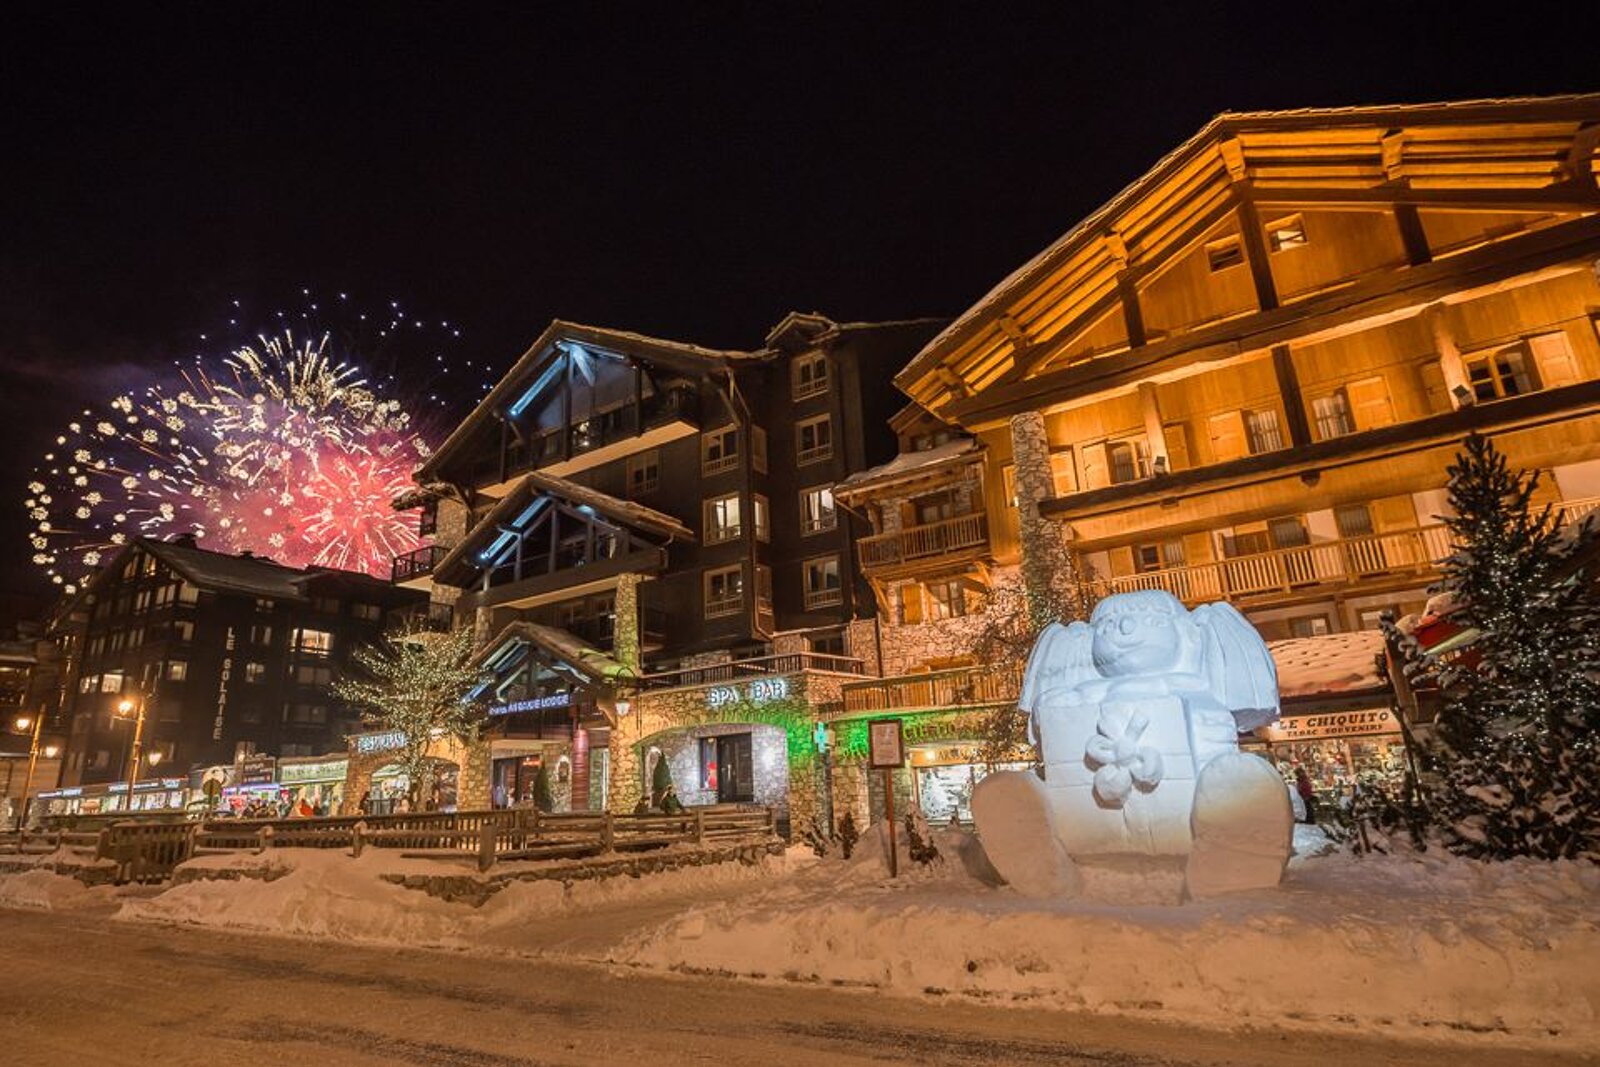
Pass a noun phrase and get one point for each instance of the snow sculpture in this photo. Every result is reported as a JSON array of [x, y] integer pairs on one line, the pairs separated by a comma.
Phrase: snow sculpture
[[1137, 715]]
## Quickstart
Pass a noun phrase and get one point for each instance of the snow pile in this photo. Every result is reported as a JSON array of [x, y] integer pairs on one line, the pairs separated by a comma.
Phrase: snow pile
[[1327, 663], [1431, 945], [47, 891]]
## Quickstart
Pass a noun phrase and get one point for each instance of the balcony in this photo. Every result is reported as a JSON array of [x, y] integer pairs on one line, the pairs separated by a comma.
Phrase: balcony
[[601, 437], [1571, 511], [964, 534], [600, 630], [425, 618], [757, 667], [962, 687], [415, 568]]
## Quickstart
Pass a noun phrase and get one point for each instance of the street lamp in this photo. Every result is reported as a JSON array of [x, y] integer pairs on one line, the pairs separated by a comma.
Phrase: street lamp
[[126, 708], [36, 723]]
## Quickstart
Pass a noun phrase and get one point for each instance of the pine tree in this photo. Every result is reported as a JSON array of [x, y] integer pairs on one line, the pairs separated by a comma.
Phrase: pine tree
[[418, 684], [543, 798], [1514, 765], [660, 781]]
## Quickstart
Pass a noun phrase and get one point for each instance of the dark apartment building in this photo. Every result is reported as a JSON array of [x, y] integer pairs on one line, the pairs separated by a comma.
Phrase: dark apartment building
[[226, 654]]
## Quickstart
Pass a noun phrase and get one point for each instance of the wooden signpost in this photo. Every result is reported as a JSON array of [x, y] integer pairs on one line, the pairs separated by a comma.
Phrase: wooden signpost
[[886, 750]]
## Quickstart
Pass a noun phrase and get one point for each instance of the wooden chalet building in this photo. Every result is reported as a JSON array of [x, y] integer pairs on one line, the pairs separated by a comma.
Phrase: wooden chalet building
[[1243, 378], [643, 533]]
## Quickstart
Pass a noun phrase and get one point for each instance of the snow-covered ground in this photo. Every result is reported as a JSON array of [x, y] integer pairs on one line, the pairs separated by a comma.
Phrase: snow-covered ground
[[1428, 947]]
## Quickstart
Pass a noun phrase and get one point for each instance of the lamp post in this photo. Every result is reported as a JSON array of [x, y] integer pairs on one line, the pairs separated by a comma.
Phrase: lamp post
[[37, 723], [125, 708]]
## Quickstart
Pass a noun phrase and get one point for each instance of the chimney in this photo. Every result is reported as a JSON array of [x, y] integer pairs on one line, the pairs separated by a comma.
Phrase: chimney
[[186, 540]]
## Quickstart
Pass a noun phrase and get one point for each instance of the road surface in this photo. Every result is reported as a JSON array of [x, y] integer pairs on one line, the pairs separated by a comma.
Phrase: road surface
[[83, 990]]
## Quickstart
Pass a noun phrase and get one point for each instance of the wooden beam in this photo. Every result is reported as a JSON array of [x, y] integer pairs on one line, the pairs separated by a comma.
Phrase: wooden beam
[[1294, 404], [1412, 234], [1560, 196], [1255, 253], [1132, 313]]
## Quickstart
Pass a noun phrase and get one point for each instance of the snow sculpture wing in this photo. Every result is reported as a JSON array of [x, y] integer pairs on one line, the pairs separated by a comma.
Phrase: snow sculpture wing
[[1239, 670], [1062, 658]]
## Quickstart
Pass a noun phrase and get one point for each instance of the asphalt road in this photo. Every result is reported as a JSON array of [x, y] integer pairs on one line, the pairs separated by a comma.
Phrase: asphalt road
[[84, 990]]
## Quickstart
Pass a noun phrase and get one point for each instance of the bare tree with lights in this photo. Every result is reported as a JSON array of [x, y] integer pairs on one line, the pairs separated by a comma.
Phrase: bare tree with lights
[[418, 684]]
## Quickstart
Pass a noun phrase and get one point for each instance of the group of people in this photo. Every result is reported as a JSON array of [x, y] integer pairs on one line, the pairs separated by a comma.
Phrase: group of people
[[283, 806]]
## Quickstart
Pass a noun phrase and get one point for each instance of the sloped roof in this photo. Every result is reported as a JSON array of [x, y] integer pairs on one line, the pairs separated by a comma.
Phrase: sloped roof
[[910, 464], [1342, 162], [586, 660], [534, 483], [235, 574], [1343, 664]]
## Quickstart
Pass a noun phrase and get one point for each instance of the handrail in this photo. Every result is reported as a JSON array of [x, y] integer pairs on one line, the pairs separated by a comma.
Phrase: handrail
[[959, 687], [416, 563], [755, 667], [924, 541]]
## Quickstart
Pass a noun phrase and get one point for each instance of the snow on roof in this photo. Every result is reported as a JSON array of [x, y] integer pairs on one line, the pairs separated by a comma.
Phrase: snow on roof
[[909, 463], [1327, 664]]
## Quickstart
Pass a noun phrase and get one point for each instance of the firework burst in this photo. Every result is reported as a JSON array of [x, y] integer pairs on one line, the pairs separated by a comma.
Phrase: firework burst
[[282, 450]]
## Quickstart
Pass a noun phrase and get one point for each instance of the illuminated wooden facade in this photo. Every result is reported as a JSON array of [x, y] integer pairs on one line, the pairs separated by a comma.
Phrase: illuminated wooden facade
[[1256, 361]]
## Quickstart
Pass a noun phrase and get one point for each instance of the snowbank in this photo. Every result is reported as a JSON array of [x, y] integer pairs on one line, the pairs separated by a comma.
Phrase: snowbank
[[1432, 945], [47, 891]]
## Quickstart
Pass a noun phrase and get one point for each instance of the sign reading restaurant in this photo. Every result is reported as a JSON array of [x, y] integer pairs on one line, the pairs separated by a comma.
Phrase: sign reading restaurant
[[1333, 724]]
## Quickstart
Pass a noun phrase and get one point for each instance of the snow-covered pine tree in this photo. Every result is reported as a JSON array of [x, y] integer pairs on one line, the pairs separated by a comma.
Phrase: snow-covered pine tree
[[1515, 763]]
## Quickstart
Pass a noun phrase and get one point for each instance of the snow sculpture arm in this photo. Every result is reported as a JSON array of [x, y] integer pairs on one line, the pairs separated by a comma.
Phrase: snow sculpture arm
[[1062, 658], [1239, 670]]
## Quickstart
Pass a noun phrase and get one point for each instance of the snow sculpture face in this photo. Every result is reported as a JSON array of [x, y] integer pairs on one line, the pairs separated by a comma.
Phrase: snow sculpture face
[[1136, 634]]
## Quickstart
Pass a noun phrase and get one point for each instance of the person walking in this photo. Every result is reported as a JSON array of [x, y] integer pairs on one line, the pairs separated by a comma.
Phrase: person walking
[[1308, 793]]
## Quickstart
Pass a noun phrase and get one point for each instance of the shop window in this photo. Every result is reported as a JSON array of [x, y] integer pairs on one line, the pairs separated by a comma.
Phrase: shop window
[[817, 512], [644, 473], [719, 450], [1332, 413], [177, 670], [813, 440], [1286, 233], [1262, 431], [810, 375], [822, 587], [724, 592], [1496, 375], [722, 519], [1220, 255], [313, 642], [946, 599]]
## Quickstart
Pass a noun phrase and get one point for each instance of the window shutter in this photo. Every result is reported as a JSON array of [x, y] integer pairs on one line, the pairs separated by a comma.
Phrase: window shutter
[[1553, 356], [1435, 394], [1096, 468], [1121, 560], [1371, 405], [1227, 436], [1394, 513], [1177, 438], [910, 603], [1198, 548]]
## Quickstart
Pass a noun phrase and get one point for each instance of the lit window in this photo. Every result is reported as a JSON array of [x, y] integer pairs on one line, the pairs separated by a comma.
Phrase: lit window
[[260, 634], [1332, 413], [1158, 557], [1262, 431], [946, 599], [177, 670], [183, 630], [111, 682], [758, 508], [1286, 233], [810, 375], [1494, 375], [822, 586], [722, 519], [719, 450], [758, 449], [1129, 461], [813, 440], [816, 510], [255, 673], [644, 472], [313, 642], [724, 592], [1225, 253]]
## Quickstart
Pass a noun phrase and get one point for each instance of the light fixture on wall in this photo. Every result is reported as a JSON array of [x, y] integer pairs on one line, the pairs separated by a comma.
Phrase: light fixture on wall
[[1161, 464], [1464, 397]]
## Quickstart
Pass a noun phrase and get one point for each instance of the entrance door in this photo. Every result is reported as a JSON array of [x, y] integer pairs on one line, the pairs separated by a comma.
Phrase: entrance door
[[736, 778]]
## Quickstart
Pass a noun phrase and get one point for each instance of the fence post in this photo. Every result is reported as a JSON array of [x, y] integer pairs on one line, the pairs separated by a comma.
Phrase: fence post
[[772, 820], [264, 838], [519, 825], [357, 838], [608, 833], [102, 844], [486, 845]]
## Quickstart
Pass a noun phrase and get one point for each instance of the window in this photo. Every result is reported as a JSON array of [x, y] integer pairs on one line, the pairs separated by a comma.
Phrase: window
[[1262, 431], [260, 634], [189, 594], [1008, 483], [263, 604], [816, 510], [1308, 626], [810, 375], [326, 604], [1129, 460], [255, 673], [177, 670], [719, 450], [143, 599], [1221, 255], [935, 507], [1158, 557], [813, 440], [822, 586], [366, 612], [644, 473], [1494, 375], [1286, 233], [830, 644], [926, 442], [724, 592], [758, 449], [947, 599], [305, 714], [722, 519], [313, 674], [88, 683], [1063, 477], [1332, 413], [165, 595], [182, 630], [1353, 520], [313, 642], [759, 511]]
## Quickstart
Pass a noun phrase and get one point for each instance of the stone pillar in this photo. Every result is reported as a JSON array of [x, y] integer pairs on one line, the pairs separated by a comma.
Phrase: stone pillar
[[625, 635], [1049, 572], [472, 783], [482, 624]]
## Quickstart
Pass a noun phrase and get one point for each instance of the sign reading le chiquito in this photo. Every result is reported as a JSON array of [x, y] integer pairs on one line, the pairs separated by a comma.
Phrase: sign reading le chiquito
[[1333, 724]]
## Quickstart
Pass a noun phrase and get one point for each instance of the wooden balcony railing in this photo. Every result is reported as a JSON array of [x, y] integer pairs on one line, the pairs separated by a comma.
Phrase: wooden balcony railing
[[962, 687], [757, 667], [416, 564], [1572, 511], [940, 538]]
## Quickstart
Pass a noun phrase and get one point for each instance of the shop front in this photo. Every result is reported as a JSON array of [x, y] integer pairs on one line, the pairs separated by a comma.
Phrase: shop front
[[151, 795], [1338, 749]]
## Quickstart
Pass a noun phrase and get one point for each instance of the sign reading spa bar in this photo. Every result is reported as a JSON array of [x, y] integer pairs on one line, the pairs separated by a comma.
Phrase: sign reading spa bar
[[1332, 724]]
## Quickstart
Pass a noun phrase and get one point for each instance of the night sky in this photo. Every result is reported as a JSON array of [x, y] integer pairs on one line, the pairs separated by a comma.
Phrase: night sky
[[692, 171]]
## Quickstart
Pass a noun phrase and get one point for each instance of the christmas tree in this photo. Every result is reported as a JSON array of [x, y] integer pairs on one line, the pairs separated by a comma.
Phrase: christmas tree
[[1514, 768]]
